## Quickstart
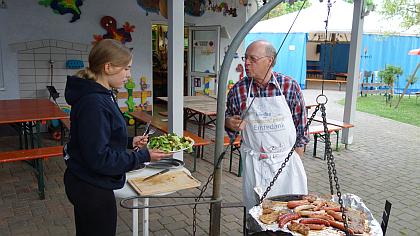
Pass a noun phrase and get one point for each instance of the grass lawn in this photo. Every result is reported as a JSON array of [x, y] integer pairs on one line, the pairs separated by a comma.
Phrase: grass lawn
[[407, 112]]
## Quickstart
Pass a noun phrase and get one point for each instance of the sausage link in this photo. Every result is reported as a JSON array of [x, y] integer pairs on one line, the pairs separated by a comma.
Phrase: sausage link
[[340, 226], [337, 215], [315, 226], [321, 216], [288, 217], [315, 221], [293, 204]]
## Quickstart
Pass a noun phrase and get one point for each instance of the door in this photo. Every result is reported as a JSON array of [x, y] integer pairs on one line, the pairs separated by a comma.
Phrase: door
[[203, 60]]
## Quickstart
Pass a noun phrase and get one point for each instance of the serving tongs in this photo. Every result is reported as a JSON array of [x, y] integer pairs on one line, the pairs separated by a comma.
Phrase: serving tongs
[[147, 131]]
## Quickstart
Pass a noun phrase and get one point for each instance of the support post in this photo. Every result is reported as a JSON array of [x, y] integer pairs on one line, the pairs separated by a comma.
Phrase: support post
[[353, 71], [176, 70]]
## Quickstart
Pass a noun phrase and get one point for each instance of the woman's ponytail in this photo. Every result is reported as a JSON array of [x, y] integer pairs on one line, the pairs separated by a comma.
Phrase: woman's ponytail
[[86, 73]]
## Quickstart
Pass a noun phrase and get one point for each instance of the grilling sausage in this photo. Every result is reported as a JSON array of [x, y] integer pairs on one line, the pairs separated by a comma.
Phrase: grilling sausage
[[321, 216], [340, 226], [337, 215], [288, 217], [293, 204], [315, 221], [315, 226]]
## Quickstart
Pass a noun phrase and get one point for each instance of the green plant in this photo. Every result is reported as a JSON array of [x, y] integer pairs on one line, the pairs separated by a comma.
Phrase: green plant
[[389, 75]]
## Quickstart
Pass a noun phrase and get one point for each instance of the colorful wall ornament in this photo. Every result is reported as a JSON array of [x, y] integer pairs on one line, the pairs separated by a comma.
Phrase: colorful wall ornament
[[192, 7], [112, 32], [64, 6], [195, 7]]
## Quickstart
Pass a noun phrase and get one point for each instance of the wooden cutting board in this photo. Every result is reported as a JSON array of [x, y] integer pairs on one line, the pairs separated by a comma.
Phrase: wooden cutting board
[[169, 182]]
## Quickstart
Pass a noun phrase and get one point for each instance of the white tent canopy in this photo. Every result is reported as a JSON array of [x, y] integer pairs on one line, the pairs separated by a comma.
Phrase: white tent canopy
[[312, 19]]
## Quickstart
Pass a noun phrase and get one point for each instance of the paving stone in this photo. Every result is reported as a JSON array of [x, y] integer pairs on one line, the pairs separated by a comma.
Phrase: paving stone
[[162, 232], [175, 225], [180, 232]]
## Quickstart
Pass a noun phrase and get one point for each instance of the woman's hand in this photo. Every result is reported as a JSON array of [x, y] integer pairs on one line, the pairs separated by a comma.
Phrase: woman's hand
[[156, 155], [140, 141]]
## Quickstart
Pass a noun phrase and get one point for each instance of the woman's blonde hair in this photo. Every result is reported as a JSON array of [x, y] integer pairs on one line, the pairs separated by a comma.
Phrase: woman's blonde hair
[[105, 51]]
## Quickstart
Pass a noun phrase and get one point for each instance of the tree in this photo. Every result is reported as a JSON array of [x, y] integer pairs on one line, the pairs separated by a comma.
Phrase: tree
[[408, 11], [388, 76], [285, 8]]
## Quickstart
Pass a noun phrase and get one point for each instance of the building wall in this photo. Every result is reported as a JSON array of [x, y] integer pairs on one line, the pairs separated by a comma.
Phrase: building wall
[[26, 21]]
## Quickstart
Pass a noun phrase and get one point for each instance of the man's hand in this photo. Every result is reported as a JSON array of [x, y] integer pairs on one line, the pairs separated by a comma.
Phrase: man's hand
[[235, 123], [156, 155], [299, 150]]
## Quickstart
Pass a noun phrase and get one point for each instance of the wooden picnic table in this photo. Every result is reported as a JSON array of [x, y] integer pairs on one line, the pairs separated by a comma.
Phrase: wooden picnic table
[[204, 107], [29, 113], [25, 114]]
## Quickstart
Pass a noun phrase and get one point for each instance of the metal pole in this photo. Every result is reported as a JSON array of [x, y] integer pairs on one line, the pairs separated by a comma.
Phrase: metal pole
[[353, 71], [215, 213]]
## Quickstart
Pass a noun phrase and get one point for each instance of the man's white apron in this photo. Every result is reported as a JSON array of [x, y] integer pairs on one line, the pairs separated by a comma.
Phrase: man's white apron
[[268, 137]]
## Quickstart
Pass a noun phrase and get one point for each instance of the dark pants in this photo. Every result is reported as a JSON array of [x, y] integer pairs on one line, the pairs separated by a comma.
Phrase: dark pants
[[95, 210]]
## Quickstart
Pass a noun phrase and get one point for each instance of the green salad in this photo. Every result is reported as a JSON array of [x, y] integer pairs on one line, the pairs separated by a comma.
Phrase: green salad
[[171, 143]]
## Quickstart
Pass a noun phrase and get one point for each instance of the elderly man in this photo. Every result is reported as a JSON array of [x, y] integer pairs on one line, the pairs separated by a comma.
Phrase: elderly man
[[275, 121]]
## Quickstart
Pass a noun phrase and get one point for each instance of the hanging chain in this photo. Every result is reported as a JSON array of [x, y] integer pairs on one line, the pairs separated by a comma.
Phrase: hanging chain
[[331, 168], [287, 158]]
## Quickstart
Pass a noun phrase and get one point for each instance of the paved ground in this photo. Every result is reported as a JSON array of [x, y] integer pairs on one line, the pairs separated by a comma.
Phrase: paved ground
[[382, 163]]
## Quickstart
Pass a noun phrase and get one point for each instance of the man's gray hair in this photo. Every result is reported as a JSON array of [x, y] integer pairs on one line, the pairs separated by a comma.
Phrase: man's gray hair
[[269, 49]]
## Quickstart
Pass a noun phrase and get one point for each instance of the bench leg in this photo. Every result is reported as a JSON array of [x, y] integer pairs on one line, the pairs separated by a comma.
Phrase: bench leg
[[25, 134], [39, 170], [195, 156], [231, 156], [240, 164], [336, 144], [315, 144]]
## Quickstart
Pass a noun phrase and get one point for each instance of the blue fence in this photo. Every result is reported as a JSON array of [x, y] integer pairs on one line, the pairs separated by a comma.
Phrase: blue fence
[[383, 50]]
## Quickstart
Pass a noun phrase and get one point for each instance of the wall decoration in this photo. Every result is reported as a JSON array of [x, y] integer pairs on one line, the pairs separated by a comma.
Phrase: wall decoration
[[110, 25], [145, 93], [194, 7], [64, 6], [149, 6], [222, 7]]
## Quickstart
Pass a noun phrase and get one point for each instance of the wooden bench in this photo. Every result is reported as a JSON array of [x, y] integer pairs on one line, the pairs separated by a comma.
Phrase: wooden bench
[[373, 88], [199, 142], [339, 82], [319, 132], [234, 147], [338, 123], [35, 156]]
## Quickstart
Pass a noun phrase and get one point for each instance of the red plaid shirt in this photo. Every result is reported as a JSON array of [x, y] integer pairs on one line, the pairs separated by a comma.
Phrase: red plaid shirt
[[236, 101]]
